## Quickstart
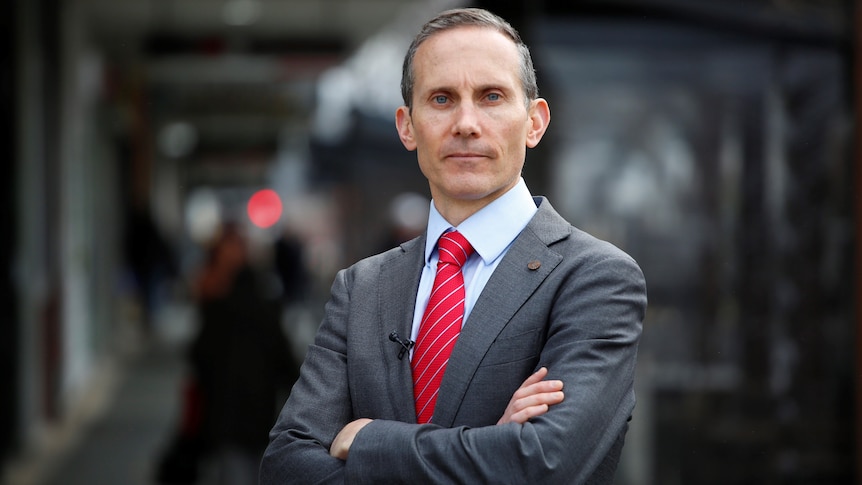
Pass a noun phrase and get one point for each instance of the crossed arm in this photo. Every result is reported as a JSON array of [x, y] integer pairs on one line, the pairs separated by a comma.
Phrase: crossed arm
[[539, 435], [533, 398]]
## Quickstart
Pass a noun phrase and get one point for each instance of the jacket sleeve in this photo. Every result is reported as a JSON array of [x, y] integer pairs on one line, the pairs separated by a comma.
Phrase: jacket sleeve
[[595, 322], [318, 407]]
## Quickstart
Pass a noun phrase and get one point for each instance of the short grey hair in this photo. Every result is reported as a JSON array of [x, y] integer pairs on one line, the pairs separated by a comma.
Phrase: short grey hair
[[473, 17]]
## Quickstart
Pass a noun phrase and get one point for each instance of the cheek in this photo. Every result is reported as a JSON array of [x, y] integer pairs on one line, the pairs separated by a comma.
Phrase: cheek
[[516, 139], [424, 169], [424, 133]]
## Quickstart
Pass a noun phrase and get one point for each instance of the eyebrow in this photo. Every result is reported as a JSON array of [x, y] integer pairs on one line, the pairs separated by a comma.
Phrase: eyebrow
[[482, 88]]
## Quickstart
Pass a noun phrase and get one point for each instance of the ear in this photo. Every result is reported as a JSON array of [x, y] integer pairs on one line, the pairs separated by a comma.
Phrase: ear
[[540, 116], [405, 127]]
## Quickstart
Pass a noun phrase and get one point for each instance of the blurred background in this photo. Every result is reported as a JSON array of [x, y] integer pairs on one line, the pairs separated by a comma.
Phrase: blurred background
[[713, 140]]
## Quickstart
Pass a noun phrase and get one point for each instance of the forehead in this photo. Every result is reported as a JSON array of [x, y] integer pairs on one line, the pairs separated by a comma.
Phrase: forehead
[[468, 50]]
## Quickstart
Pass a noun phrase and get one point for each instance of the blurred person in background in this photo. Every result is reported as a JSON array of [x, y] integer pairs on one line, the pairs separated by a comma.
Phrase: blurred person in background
[[408, 213], [290, 267], [241, 359], [151, 261], [542, 319]]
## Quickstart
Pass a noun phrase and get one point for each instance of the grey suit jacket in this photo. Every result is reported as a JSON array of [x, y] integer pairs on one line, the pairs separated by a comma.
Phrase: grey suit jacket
[[560, 298]]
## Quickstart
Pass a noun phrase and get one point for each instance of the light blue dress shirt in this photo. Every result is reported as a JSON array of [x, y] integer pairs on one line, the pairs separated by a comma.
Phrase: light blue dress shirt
[[490, 231]]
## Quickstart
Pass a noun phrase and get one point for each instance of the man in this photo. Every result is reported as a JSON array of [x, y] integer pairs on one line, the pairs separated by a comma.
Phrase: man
[[542, 309]]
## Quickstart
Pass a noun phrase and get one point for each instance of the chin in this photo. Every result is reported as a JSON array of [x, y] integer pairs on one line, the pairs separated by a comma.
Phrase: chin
[[473, 193]]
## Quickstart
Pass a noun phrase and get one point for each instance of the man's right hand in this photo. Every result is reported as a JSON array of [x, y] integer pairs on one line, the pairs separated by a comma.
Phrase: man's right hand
[[533, 398]]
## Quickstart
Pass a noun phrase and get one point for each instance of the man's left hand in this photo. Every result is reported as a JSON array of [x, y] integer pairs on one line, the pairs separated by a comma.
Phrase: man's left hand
[[341, 444]]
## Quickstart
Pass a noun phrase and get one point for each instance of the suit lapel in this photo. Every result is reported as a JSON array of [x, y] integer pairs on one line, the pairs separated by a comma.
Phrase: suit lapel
[[399, 279], [514, 281]]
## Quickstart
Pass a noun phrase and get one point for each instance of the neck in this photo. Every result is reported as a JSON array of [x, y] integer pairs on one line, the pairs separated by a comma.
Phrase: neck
[[455, 214], [456, 211]]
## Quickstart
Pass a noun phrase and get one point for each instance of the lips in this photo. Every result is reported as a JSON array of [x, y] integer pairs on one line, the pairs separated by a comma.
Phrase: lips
[[466, 155], [464, 151]]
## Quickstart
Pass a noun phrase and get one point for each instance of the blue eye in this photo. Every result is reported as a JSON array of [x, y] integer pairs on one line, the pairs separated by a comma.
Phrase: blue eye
[[440, 99], [494, 97]]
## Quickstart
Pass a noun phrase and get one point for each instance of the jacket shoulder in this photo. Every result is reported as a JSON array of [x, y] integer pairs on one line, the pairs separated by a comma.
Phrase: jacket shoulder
[[570, 241]]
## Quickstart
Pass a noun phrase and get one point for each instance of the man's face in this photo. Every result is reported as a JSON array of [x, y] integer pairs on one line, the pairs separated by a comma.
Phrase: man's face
[[470, 124]]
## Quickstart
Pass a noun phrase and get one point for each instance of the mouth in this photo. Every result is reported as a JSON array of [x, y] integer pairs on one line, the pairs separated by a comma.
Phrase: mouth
[[466, 156]]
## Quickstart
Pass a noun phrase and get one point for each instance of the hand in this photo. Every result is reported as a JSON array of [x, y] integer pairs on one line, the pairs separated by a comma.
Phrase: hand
[[533, 398], [341, 444]]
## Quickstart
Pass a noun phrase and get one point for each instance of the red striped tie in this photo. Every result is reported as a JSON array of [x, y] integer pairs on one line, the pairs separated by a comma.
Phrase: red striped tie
[[441, 323]]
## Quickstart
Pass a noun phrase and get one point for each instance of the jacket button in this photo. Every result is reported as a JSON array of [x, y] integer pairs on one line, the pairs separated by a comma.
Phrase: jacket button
[[534, 264]]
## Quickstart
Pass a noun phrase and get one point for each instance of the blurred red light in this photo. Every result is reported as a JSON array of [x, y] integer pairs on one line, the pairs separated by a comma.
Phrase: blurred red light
[[264, 208]]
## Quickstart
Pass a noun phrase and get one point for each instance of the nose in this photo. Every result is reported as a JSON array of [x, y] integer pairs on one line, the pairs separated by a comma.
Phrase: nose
[[466, 122]]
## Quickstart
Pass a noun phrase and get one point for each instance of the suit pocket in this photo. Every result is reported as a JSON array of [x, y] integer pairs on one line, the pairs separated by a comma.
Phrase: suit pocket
[[513, 348]]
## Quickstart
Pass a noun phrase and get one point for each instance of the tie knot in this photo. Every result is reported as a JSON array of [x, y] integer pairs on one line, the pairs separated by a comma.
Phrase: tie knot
[[454, 248]]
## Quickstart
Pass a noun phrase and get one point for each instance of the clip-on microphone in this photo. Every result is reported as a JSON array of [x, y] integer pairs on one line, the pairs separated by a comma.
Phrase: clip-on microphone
[[406, 344]]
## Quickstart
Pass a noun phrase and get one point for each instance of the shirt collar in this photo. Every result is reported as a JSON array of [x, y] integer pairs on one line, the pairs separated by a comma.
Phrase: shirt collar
[[490, 230]]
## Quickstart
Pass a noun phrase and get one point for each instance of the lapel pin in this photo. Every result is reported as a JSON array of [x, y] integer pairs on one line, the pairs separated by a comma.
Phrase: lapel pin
[[534, 264]]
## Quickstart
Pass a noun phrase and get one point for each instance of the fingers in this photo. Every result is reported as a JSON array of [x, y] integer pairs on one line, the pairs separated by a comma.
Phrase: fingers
[[536, 376], [534, 405], [535, 385], [533, 398], [526, 414]]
